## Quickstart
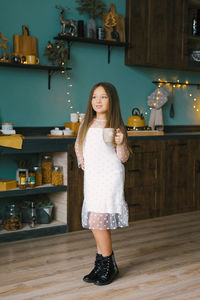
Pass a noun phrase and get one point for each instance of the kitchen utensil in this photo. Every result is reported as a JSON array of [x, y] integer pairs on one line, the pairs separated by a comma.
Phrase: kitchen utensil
[[114, 25], [137, 119], [171, 113]]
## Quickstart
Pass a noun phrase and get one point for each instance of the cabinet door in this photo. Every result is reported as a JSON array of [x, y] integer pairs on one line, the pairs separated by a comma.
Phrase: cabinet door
[[75, 191], [178, 177], [156, 33], [142, 182], [196, 172]]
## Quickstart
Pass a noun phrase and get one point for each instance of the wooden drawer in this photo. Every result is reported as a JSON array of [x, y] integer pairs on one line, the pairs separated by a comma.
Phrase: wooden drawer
[[145, 146]]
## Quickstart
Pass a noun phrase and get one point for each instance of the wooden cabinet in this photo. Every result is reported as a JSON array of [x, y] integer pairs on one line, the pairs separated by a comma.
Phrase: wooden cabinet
[[196, 173], [162, 177], [159, 33], [178, 177], [75, 191], [142, 181]]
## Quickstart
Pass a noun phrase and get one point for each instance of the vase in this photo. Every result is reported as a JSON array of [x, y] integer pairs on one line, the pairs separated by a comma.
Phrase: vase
[[91, 29]]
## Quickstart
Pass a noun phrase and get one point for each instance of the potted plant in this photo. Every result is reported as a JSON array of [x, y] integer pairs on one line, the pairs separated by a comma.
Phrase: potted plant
[[56, 52], [94, 8]]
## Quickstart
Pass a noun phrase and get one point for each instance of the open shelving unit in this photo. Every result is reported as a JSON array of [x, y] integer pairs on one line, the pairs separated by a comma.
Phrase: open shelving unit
[[57, 194], [109, 44], [43, 189], [48, 68], [55, 227]]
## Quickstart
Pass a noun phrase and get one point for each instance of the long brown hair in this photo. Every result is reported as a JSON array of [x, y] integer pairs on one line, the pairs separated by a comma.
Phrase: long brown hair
[[114, 118]]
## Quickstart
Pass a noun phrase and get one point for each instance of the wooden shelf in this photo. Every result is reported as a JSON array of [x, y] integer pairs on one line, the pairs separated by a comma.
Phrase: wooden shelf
[[194, 38], [70, 39], [55, 227], [44, 189], [48, 68]]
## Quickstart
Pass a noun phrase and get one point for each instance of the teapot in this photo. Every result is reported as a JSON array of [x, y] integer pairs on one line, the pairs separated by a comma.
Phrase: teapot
[[137, 119]]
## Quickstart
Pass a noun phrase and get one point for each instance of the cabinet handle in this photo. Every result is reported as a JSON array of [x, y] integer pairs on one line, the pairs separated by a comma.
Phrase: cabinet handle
[[134, 204], [135, 146], [156, 168], [134, 170], [181, 144], [71, 162], [198, 166]]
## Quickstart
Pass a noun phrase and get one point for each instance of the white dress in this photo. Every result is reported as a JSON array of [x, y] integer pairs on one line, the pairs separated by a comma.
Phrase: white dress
[[104, 206]]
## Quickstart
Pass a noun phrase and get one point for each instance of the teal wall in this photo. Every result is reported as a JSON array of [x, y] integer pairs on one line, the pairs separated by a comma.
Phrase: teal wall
[[25, 99]]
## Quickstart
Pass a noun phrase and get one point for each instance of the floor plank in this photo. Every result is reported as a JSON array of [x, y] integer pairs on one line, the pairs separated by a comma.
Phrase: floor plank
[[159, 259]]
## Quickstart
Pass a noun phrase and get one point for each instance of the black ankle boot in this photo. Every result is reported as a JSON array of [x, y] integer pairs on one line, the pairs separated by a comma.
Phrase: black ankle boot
[[108, 271], [91, 277]]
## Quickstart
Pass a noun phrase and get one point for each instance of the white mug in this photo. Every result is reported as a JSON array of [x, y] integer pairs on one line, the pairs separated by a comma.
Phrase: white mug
[[81, 117], [74, 117], [109, 135]]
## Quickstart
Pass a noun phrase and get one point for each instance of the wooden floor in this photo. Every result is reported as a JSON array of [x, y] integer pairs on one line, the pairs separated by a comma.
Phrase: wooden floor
[[157, 258]]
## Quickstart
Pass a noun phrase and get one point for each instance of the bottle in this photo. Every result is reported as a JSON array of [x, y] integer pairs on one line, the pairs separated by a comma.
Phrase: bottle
[[57, 175], [31, 178], [12, 219], [33, 215], [47, 168], [198, 22], [38, 176], [22, 180], [194, 25]]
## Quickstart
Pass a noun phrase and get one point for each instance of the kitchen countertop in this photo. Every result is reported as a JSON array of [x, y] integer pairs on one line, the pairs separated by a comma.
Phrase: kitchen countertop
[[42, 143]]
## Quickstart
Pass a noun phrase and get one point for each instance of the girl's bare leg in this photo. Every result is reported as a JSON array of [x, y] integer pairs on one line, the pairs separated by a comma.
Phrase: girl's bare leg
[[103, 241]]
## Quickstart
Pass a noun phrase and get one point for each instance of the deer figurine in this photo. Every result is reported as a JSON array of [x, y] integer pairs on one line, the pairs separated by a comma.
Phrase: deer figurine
[[66, 23]]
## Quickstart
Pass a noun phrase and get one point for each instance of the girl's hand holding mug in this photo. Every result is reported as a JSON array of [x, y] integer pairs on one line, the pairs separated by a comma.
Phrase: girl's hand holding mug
[[119, 137]]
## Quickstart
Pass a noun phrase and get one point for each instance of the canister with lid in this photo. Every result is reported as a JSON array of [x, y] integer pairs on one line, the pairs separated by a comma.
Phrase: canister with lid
[[57, 175], [38, 175], [31, 178], [12, 218], [46, 164], [22, 179]]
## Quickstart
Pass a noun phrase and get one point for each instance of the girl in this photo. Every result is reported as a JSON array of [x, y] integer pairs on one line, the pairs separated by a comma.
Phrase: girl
[[104, 207]]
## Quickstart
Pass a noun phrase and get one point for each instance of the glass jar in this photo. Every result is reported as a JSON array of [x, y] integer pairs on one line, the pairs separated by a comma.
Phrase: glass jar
[[57, 175], [22, 180], [46, 164], [31, 178], [38, 176], [12, 219]]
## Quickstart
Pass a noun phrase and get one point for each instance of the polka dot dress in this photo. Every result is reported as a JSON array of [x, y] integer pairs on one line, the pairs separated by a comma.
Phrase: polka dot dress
[[104, 206]]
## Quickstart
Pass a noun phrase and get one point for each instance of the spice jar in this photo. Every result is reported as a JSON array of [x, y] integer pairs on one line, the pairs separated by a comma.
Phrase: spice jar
[[22, 180], [31, 178], [46, 168], [12, 220], [57, 175], [38, 175]]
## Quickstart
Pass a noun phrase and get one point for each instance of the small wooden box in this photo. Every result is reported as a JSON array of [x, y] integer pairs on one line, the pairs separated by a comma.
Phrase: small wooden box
[[73, 126], [7, 184]]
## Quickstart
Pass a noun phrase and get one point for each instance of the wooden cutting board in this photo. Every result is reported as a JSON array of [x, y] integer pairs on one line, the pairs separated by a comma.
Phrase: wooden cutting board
[[114, 25], [61, 136], [25, 44], [144, 132]]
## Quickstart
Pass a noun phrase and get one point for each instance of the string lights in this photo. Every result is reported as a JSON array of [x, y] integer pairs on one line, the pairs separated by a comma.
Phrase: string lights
[[178, 84], [68, 92]]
